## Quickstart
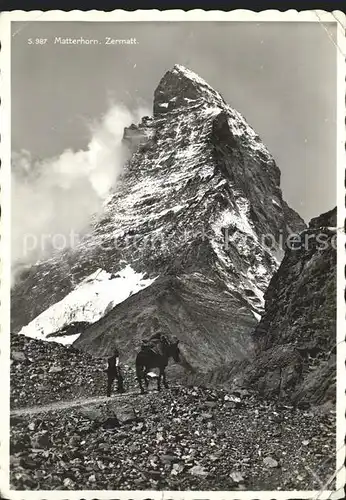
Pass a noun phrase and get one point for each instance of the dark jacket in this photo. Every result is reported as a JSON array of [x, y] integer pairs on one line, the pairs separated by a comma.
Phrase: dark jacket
[[113, 361]]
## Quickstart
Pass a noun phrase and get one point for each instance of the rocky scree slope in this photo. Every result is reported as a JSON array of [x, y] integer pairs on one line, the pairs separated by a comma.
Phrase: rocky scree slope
[[198, 175], [47, 372], [184, 438], [295, 340]]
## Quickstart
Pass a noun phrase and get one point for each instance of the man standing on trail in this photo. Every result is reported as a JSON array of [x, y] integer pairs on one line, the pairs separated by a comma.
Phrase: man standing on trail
[[114, 371]]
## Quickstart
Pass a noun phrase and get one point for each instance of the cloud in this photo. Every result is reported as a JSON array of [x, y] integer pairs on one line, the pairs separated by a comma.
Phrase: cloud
[[59, 195]]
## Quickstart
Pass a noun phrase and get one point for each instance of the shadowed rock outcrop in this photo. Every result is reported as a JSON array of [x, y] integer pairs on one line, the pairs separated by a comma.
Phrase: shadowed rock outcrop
[[296, 337]]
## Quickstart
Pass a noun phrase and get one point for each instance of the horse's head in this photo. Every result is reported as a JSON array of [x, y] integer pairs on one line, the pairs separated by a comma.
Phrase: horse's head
[[171, 347]]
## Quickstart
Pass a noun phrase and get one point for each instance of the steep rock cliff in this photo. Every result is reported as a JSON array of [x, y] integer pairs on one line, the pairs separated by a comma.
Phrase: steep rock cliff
[[295, 340]]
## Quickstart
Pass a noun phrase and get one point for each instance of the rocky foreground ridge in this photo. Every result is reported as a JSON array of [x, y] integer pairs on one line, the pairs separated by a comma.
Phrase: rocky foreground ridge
[[186, 437]]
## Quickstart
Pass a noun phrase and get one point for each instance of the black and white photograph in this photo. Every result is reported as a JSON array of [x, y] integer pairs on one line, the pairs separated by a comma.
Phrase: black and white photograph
[[175, 242]]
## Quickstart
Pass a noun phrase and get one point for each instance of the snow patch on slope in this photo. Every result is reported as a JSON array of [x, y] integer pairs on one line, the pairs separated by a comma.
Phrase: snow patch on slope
[[211, 111], [257, 316], [236, 217], [65, 340], [94, 297], [245, 239]]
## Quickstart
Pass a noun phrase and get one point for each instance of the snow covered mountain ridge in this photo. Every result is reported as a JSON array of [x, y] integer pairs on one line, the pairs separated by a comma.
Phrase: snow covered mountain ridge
[[191, 210]]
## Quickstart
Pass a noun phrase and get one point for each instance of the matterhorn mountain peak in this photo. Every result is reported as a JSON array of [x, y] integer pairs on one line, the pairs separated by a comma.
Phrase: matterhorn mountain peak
[[181, 87], [187, 220]]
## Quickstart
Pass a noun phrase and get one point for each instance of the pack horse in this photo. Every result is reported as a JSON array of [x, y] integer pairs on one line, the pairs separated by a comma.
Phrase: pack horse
[[155, 353]]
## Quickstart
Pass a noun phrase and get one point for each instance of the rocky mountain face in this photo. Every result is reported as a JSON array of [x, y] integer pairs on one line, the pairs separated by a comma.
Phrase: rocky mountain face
[[184, 241], [189, 217], [295, 340]]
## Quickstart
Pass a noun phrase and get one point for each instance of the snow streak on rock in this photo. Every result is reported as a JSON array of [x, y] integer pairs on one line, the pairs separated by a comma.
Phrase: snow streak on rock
[[91, 300]]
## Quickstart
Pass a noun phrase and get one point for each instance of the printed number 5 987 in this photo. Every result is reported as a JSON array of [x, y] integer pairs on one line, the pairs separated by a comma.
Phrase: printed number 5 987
[[37, 41]]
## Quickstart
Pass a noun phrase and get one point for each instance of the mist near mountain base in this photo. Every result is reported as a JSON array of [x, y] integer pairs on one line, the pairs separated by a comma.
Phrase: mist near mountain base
[[55, 198]]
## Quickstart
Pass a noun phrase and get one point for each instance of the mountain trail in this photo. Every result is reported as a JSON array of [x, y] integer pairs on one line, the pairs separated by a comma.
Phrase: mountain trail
[[63, 405]]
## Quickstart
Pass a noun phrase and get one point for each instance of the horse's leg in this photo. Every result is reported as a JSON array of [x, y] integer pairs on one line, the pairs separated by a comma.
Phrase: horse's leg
[[146, 380], [110, 379], [165, 383], [139, 373], [159, 379]]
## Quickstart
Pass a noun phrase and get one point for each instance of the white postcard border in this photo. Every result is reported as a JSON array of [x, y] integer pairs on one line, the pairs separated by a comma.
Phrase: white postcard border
[[316, 16]]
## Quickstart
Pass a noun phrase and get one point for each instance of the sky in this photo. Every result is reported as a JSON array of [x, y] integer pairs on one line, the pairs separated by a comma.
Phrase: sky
[[280, 76]]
